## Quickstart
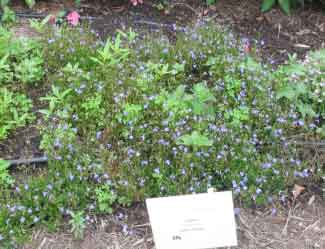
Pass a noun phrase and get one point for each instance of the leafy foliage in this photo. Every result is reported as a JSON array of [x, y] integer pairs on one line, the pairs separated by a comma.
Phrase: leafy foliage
[[78, 225], [14, 111], [210, 2], [30, 71], [105, 198], [303, 87], [137, 117], [21, 63], [285, 5], [5, 178], [20, 60]]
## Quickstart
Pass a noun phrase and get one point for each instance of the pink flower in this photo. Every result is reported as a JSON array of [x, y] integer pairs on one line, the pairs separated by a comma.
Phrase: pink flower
[[73, 18], [136, 2]]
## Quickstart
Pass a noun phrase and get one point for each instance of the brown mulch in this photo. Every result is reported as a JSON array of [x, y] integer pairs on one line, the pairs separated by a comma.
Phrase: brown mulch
[[298, 33], [300, 227]]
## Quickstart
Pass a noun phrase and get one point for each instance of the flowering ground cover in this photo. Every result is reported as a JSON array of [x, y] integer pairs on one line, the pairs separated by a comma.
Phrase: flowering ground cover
[[136, 117]]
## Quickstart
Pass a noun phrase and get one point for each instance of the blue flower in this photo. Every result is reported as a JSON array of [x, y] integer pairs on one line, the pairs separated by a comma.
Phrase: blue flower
[[273, 211], [71, 177], [258, 191], [36, 219], [98, 135], [22, 219]]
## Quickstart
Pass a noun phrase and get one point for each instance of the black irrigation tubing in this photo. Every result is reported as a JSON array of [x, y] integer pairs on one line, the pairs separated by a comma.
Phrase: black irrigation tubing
[[32, 161], [145, 22], [39, 16], [161, 25]]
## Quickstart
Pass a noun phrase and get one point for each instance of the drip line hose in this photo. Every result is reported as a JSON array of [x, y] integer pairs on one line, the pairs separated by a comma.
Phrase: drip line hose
[[40, 16], [31, 161], [143, 22]]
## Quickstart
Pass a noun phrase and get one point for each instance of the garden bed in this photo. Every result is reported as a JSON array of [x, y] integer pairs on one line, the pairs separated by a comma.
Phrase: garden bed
[[275, 34], [158, 109]]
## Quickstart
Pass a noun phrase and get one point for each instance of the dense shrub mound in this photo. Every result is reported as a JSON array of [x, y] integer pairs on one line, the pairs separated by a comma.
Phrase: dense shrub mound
[[133, 118]]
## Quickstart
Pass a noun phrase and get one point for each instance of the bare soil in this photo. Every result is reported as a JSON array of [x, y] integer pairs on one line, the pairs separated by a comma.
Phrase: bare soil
[[302, 31]]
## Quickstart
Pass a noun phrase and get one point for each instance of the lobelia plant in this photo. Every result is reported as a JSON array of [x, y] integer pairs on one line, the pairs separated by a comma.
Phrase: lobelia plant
[[134, 118]]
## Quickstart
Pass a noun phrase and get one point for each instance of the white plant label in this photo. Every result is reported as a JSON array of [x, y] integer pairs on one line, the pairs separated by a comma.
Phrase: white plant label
[[197, 221]]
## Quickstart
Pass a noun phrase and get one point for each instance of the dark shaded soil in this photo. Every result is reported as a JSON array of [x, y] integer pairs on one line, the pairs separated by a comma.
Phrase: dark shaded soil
[[275, 33], [24, 142], [298, 33], [281, 34]]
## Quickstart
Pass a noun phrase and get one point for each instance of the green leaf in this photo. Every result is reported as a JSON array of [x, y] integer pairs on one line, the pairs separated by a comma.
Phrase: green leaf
[[210, 2], [30, 3], [306, 110], [285, 5], [175, 101], [295, 68], [4, 165], [202, 93], [8, 15], [321, 131], [211, 61], [4, 3], [301, 89], [203, 99], [252, 64], [195, 139], [286, 92], [62, 14], [267, 5], [5, 178]]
